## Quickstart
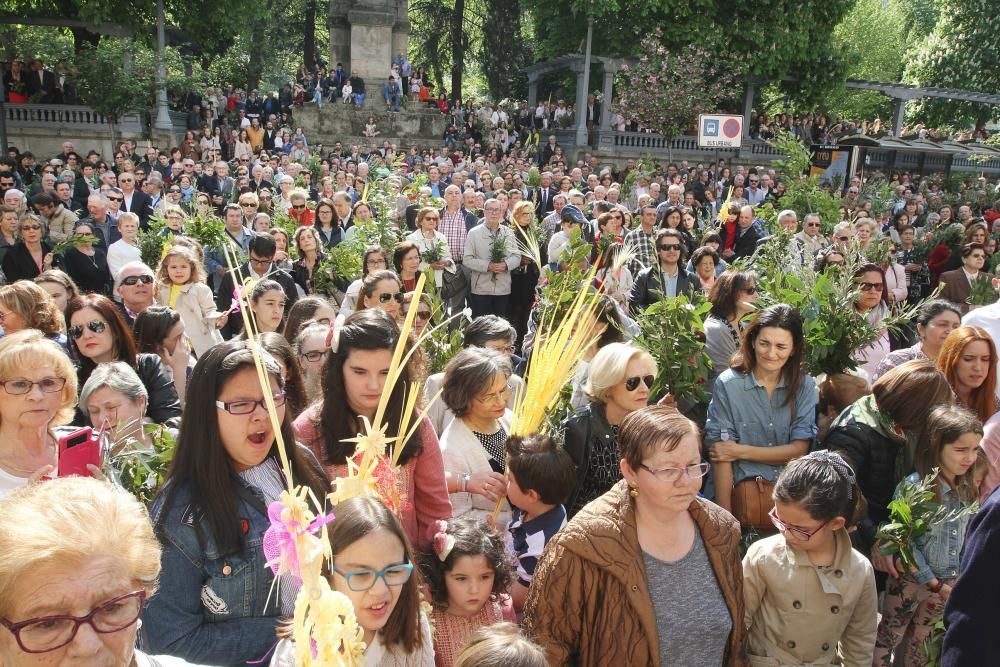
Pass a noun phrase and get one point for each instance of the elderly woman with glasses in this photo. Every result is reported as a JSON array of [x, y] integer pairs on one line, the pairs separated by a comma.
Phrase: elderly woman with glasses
[[476, 390], [75, 576], [618, 383], [648, 573], [38, 393]]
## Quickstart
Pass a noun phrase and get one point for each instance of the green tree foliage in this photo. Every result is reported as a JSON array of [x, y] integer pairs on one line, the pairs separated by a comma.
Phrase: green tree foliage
[[963, 51], [103, 86], [504, 50], [770, 38]]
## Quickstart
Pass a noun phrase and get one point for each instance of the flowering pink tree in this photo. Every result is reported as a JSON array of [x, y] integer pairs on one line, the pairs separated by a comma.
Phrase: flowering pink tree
[[665, 91]]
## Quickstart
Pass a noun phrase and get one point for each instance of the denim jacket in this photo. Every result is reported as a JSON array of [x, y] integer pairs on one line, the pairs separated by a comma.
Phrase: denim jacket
[[741, 411], [211, 608], [937, 551]]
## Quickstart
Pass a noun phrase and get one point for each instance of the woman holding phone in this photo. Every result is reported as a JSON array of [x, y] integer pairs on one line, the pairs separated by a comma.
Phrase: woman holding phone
[[37, 393]]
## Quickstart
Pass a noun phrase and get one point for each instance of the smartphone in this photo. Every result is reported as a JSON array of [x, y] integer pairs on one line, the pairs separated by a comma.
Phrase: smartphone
[[77, 450]]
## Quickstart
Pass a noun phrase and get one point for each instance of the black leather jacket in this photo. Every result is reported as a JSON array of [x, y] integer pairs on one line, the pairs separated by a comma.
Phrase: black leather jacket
[[581, 431]]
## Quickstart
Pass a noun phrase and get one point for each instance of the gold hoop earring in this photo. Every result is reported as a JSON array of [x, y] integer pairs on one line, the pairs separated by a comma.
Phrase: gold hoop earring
[[633, 490]]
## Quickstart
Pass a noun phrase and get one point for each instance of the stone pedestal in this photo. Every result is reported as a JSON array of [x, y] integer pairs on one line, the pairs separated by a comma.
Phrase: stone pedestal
[[366, 35]]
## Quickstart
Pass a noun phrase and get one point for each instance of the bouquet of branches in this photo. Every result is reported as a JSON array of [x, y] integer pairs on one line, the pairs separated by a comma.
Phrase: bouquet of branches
[[983, 291], [534, 177], [152, 242], [558, 289], [139, 470], [433, 253], [74, 241], [878, 251], [207, 230], [673, 332], [498, 250], [287, 224], [912, 515]]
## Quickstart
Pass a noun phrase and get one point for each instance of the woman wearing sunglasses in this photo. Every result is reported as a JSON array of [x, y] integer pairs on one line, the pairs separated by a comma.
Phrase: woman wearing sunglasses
[[216, 604], [384, 290], [30, 255], [98, 334], [763, 409], [873, 305], [618, 383]]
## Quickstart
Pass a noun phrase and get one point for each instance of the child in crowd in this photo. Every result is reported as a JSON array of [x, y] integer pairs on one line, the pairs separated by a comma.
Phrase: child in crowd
[[469, 575], [348, 92], [180, 283], [373, 566], [501, 645], [540, 477], [370, 129], [810, 597], [267, 301], [913, 601], [560, 241]]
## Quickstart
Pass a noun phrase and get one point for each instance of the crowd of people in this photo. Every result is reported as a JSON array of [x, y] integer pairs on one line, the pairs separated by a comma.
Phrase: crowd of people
[[640, 530]]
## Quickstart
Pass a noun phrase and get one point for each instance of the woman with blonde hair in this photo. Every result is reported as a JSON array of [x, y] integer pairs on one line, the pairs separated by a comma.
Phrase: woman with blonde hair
[[93, 551], [25, 305], [619, 382], [37, 393]]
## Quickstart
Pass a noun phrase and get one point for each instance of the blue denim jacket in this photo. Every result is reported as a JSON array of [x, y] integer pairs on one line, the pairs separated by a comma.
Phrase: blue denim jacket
[[741, 411], [211, 608], [937, 551]]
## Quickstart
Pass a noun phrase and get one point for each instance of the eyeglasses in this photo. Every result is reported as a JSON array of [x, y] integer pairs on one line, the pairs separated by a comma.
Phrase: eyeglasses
[[364, 580], [314, 355], [174, 191], [248, 204], [261, 261], [21, 386], [118, 199], [375, 262], [48, 633], [749, 290], [843, 238], [812, 224], [672, 474], [246, 407], [670, 246], [803, 535], [499, 396], [423, 315], [33, 227], [386, 297], [97, 326], [868, 287], [632, 383], [133, 280]]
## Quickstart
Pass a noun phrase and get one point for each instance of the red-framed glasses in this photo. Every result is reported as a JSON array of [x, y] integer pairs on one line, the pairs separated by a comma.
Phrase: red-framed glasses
[[48, 633]]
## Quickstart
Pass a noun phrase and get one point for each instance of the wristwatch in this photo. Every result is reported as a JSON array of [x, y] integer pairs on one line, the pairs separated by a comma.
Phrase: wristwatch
[[465, 482]]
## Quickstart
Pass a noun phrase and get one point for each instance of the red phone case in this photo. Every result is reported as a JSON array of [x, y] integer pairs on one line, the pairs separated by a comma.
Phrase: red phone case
[[77, 450]]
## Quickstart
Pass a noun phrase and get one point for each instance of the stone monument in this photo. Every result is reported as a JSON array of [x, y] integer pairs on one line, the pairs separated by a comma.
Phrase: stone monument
[[366, 35]]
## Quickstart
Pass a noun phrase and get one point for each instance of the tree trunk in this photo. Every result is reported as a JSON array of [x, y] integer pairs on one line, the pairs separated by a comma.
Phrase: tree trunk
[[309, 35], [457, 49]]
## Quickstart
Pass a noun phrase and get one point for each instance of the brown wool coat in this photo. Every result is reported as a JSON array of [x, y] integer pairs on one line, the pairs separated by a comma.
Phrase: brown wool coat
[[589, 604]]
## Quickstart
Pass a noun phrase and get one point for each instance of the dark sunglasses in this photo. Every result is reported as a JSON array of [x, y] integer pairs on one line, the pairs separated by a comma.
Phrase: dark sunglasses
[[133, 280], [632, 383], [868, 287], [298, 207], [97, 326], [385, 297], [749, 290], [670, 246], [118, 199]]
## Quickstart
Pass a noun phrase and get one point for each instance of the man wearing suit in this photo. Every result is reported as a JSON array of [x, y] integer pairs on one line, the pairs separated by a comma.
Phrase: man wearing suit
[[958, 283], [666, 279], [135, 201], [41, 82], [261, 265], [747, 236], [269, 134], [593, 112], [542, 196]]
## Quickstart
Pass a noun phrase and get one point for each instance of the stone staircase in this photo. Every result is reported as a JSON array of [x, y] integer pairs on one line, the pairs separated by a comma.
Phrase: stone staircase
[[414, 125]]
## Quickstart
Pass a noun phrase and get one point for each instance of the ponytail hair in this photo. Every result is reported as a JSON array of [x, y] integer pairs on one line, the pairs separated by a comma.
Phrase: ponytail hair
[[824, 485]]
